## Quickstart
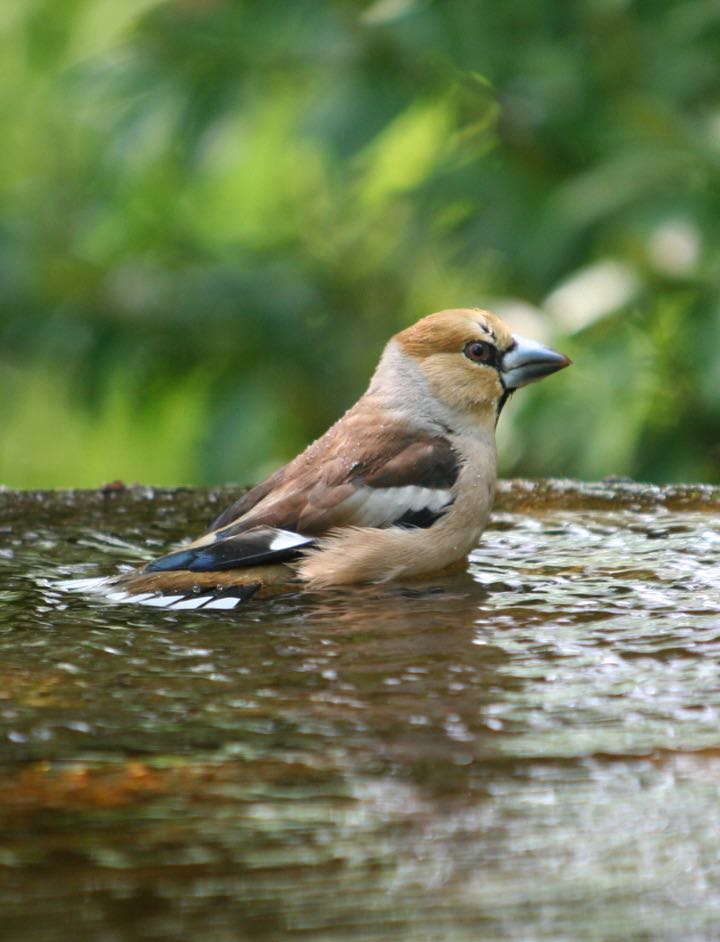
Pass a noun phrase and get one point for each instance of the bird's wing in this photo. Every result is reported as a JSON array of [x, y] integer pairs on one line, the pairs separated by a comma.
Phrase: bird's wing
[[253, 547], [366, 476], [392, 478]]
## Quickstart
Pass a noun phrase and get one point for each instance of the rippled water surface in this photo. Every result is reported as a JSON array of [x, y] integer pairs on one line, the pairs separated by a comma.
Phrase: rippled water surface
[[528, 751]]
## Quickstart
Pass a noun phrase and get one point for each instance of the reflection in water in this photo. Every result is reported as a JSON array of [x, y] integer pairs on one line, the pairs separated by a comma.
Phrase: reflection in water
[[526, 751]]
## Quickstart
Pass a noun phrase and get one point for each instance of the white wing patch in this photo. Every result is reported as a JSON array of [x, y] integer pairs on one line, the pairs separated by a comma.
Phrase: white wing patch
[[382, 506], [286, 539]]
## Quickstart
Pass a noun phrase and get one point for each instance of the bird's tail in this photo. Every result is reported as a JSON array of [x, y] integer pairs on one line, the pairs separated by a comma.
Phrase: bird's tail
[[179, 590]]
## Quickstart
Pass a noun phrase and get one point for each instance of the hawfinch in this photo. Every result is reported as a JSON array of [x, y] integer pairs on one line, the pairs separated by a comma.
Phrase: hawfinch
[[400, 487]]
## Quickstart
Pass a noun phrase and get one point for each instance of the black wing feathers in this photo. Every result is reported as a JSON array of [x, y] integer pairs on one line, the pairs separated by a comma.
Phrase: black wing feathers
[[430, 462], [251, 548]]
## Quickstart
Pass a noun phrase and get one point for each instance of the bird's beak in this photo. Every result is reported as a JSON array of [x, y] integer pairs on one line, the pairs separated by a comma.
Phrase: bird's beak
[[527, 361]]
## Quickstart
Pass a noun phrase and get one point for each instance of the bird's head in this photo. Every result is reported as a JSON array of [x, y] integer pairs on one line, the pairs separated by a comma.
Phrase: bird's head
[[473, 362]]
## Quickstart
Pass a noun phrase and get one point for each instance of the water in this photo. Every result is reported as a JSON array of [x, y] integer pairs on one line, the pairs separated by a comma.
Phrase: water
[[530, 751]]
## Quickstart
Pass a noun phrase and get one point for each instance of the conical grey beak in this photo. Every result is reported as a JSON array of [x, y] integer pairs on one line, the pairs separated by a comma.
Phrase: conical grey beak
[[527, 361]]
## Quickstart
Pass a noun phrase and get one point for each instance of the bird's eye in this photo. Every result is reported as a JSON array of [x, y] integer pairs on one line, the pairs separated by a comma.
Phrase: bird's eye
[[480, 352]]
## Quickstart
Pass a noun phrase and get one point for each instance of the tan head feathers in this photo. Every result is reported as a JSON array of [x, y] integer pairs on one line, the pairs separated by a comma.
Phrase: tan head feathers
[[449, 331]]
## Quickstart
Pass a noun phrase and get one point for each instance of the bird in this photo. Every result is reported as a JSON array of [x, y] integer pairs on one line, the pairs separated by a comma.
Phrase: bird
[[400, 488]]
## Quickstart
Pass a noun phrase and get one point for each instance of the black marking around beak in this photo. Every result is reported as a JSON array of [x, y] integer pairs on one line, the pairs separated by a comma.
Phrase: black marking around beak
[[506, 393]]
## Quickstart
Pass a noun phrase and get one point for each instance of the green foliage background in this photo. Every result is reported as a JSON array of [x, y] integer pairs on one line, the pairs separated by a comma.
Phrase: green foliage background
[[213, 213]]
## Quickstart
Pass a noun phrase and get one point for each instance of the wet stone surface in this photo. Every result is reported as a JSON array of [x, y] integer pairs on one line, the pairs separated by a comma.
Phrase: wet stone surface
[[528, 751]]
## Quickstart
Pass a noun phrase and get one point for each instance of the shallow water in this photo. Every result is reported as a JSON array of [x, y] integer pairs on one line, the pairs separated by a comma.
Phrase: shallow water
[[529, 751]]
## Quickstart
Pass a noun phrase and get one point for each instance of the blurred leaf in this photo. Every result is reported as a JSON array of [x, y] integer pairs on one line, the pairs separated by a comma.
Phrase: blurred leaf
[[213, 215]]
